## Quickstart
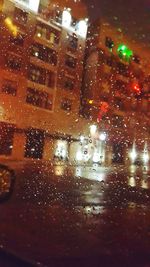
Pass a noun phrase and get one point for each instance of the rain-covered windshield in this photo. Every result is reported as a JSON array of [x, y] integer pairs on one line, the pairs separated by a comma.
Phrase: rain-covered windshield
[[75, 130]]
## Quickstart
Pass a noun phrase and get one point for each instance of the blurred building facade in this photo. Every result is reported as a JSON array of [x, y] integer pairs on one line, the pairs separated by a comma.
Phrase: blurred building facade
[[41, 63], [116, 94], [69, 92]]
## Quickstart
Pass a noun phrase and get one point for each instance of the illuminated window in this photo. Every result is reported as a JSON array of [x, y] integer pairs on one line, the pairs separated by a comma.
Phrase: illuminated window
[[66, 18], [36, 74], [44, 53], [82, 28], [41, 31], [31, 4], [41, 76], [39, 98], [48, 33], [9, 87]]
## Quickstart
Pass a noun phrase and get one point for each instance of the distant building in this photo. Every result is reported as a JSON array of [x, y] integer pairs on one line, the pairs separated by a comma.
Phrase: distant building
[[116, 94], [41, 62]]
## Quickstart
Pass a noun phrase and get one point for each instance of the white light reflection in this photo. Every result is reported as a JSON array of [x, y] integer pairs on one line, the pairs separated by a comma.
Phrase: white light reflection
[[79, 156], [59, 170], [132, 182], [93, 129], [132, 168], [66, 19], [82, 28], [81, 138], [133, 154], [96, 157], [102, 137], [145, 157], [31, 4]]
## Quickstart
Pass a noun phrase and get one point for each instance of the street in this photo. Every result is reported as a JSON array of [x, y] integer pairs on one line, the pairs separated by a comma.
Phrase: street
[[60, 212]]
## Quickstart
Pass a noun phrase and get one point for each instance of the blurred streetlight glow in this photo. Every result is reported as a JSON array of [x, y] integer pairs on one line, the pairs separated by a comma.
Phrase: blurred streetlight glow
[[133, 154], [102, 137], [81, 138], [93, 129], [79, 156]]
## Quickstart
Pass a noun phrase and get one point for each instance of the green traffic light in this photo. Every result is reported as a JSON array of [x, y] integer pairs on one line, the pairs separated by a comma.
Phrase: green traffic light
[[124, 52]]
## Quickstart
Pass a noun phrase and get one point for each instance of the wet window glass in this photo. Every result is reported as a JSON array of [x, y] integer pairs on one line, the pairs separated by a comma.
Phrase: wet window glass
[[75, 133]]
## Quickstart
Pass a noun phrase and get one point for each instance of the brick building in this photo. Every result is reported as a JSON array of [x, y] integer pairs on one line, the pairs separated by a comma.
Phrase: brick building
[[41, 61], [116, 94]]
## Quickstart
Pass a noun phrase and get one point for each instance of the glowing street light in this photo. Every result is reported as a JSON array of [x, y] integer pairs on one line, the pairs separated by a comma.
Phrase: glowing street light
[[81, 138], [93, 129], [133, 154], [102, 137]]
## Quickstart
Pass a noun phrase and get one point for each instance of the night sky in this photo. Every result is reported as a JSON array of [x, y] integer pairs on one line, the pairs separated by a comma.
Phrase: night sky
[[132, 16]]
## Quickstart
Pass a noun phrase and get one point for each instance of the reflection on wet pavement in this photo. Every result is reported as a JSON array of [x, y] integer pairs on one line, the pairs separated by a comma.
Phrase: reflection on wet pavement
[[76, 212]]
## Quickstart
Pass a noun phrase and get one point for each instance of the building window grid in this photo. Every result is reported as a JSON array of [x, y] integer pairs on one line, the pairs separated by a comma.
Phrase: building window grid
[[39, 98], [42, 76], [44, 53], [50, 34]]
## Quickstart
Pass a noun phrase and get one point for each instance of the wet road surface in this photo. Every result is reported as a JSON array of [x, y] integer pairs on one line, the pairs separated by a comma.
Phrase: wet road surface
[[78, 215]]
